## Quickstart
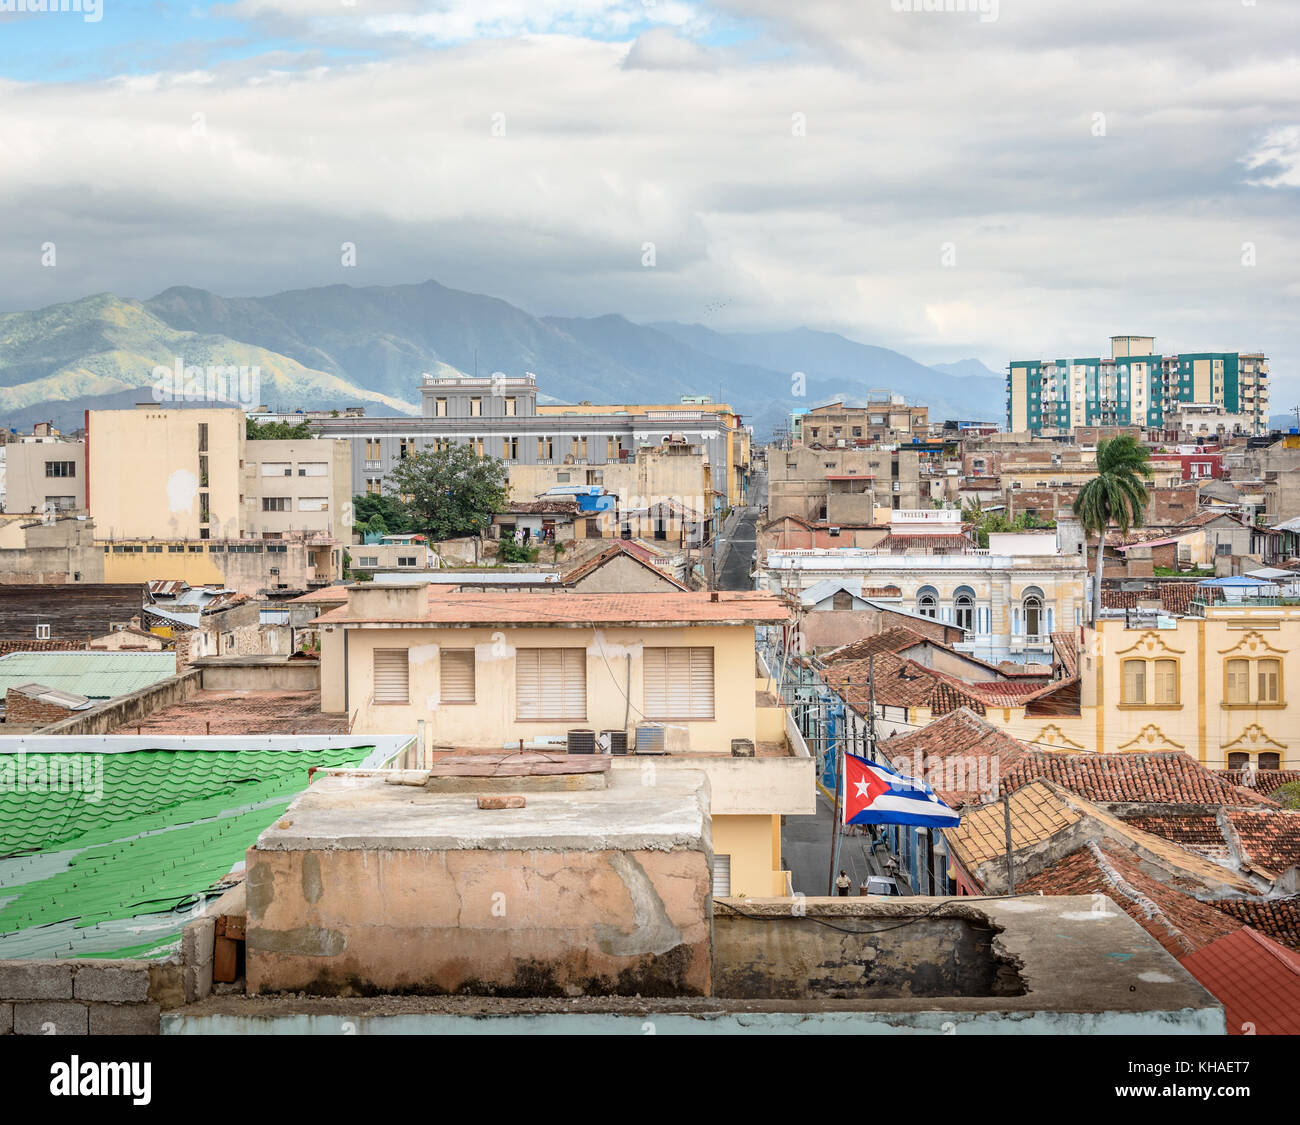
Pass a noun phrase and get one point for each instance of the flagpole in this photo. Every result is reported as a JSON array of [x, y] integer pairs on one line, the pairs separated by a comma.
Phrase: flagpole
[[839, 785]]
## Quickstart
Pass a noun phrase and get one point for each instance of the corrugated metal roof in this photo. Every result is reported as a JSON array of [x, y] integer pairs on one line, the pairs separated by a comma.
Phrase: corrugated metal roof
[[96, 675]]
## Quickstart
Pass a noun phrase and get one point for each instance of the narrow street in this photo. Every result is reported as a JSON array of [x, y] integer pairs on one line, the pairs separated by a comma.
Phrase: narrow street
[[737, 540]]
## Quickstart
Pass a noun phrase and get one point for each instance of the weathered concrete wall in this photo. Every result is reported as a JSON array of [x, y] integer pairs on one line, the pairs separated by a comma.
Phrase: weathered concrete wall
[[269, 674], [504, 923], [22, 710], [87, 997], [131, 708], [776, 954]]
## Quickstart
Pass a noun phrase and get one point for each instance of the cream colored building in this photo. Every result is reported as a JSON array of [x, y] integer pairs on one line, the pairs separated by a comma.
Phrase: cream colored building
[[187, 482], [1009, 597], [497, 672], [44, 475], [1218, 684]]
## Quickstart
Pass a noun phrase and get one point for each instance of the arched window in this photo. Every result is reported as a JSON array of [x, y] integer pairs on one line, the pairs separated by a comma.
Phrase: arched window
[[964, 607], [927, 601], [1032, 604]]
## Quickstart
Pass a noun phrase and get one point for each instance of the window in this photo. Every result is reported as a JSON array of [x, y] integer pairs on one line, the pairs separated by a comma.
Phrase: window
[[405, 448], [510, 407], [1166, 681], [580, 447], [476, 407], [1033, 607], [205, 515], [562, 478], [313, 469], [457, 666], [203, 437], [1264, 674], [678, 683], [313, 504], [368, 560], [964, 608], [721, 876], [1135, 682], [60, 503], [476, 444], [275, 504], [60, 468], [406, 560], [440, 408], [373, 486], [391, 675], [927, 602], [551, 683], [42, 632], [277, 469], [372, 449], [1269, 761], [512, 449], [545, 448], [842, 599], [1268, 676]]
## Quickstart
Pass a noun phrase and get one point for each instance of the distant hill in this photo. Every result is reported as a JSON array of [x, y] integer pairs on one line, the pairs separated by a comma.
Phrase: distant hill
[[337, 346], [966, 368]]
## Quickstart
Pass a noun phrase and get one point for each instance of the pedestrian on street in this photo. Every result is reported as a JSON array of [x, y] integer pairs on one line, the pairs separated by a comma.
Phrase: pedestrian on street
[[843, 883]]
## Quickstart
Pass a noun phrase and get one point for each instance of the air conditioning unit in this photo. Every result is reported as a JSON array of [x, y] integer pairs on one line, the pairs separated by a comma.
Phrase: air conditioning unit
[[650, 739], [581, 742]]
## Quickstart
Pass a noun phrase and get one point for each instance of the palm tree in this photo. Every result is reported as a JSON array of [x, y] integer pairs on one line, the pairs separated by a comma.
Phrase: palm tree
[[1117, 494]]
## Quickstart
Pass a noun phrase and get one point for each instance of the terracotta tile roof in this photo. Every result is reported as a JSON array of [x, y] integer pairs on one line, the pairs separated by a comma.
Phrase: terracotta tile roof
[[1278, 918], [897, 639], [615, 550], [540, 508], [945, 544], [6, 647], [565, 607], [1066, 647], [897, 682], [1164, 778], [1178, 921], [1270, 839], [1266, 782], [1256, 980], [1037, 814], [1197, 832], [1174, 597], [985, 751]]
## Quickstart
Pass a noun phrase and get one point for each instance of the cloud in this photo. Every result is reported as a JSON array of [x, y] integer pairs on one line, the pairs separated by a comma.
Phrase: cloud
[[661, 49], [806, 173]]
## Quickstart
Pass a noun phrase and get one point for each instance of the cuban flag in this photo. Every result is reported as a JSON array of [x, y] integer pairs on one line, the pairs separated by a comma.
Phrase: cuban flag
[[875, 794]]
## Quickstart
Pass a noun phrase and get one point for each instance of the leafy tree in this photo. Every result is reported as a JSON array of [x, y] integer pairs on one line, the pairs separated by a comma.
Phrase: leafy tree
[[449, 492], [1117, 494], [512, 552], [276, 431], [380, 514]]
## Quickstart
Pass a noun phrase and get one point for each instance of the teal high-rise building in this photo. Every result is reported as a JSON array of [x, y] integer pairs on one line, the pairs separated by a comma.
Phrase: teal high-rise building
[[1134, 386]]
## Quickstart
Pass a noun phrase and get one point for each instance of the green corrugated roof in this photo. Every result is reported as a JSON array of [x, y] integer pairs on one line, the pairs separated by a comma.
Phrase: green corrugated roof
[[96, 675], [114, 876]]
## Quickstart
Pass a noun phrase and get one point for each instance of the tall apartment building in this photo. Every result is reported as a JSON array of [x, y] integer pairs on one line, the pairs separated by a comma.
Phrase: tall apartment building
[[1134, 386], [183, 493]]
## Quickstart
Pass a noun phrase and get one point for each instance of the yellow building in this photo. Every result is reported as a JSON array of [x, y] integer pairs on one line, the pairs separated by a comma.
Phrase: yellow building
[[1218, 684], [491, 672]]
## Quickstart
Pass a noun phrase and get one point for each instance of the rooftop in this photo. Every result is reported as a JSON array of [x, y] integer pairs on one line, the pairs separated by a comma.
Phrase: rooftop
[[566, 608], [1256, 980], [242, 712], [95, 675], [112, 859]]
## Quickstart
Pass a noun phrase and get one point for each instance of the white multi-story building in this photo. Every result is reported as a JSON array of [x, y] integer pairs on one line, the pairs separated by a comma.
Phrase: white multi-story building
[[1009, 597]]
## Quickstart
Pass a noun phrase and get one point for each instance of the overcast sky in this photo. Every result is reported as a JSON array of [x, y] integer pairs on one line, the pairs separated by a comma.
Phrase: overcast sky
[[949, 184]]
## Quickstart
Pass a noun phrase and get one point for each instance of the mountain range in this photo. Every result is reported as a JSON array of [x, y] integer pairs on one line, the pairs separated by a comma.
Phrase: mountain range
[[339, 346]]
